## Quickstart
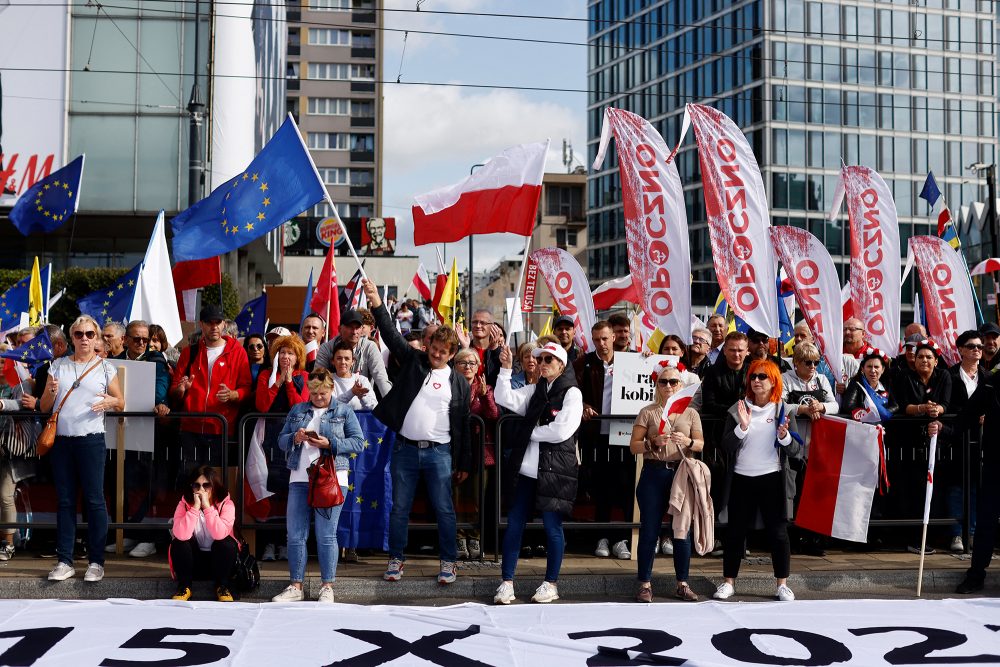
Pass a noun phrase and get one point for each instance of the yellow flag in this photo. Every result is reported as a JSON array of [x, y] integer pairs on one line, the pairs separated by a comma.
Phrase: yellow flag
[[35, 305], [547, 328], [449, 300], [655, 340]]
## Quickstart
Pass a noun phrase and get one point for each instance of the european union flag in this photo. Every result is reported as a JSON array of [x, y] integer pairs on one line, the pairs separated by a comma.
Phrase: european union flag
[[930, 191], [14, 301], [114, 302], [49, 202], [364, 519], [280, 183], [32, 353], [786, 332], [253, 318]]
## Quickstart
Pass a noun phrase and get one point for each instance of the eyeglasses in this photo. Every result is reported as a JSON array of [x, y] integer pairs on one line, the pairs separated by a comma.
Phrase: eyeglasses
[[546, 359], [700, 341], [481, 323], [673, 382], [80, 335], [846, 329], [139, 339], [257, 346], [467, 364], [197, 486], [759, 376], [811, 362], [973, 346]]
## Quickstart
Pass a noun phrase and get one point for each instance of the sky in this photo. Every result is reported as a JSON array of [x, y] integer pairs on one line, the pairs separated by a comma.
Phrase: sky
[[433, 135]]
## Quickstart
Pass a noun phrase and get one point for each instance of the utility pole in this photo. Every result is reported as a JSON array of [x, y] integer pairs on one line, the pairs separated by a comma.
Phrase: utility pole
[[196, 108]]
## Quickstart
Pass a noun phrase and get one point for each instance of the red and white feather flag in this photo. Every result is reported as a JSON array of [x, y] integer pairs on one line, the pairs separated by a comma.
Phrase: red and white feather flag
[[422, 282], [615, 291]]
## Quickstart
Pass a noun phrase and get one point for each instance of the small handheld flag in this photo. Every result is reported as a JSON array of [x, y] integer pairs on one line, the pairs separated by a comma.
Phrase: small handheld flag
[[50, 202], [32, 353], [16, 299]]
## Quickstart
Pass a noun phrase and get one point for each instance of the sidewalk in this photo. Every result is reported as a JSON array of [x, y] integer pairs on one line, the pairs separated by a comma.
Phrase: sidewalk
[[877, 573]]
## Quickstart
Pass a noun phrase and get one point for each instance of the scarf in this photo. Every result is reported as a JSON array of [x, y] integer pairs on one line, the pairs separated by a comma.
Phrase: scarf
[[878, 401]]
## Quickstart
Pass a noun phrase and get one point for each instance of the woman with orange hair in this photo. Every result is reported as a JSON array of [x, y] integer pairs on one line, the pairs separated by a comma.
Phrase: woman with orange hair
[[760, 438]]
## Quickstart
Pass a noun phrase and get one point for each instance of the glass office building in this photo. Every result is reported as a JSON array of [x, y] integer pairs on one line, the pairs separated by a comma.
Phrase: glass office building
[[903, 87]]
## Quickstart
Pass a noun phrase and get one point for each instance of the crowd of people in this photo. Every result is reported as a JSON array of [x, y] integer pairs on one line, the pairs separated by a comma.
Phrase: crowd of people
[[736, 453]]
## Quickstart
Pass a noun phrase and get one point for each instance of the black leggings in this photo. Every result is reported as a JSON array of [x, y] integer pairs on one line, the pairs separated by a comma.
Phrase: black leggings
[[746, 496], [189, 561]]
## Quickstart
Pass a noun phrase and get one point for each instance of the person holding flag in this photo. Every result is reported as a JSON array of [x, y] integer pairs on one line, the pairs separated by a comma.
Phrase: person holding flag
[[664, 436], [866, 399]]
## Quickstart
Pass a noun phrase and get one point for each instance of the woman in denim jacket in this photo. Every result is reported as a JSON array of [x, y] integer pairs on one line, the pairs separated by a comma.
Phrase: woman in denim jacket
[[314, 429]]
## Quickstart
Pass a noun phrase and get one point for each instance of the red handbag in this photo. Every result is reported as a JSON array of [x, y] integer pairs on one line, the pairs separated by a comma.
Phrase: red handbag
[[324, 487]]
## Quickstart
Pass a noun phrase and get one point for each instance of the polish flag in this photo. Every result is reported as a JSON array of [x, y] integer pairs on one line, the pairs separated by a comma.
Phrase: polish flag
[[840, 479], [422, 282], [188, 277], [615, 291], [325, 298], [501, 196], [678, 403]]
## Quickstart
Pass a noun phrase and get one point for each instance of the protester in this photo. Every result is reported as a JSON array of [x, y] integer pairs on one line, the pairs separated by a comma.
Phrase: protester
[[256, 349], [927, 390], [313, 331], [486, 338], [321, 427], [905, 361], [725, 381], [86, 387], [405, 318], [274, 334], [854, 338], [866, 390], [17, 446], [564, 329], [673, 345], [530, 372], [622, 329], [39, 380], [661, 454], [367, 357], [113, 335], [758, 437], [801, 334], [413, 339], [991, 344], [158, 343], [611, 471], [759, 347], [350, 387], [424, 316], [428, 409], [204, 544], [543, 464], [101, 349], [967, 377], [697, 359], [718, 327], [367, 323]]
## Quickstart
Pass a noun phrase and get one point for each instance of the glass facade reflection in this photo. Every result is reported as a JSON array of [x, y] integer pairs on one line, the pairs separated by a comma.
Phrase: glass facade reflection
[[904, 87]]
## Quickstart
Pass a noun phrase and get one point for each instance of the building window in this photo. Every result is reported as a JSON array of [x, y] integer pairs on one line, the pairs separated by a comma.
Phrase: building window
[[363, 72], [565, 202], [329, 71], [362, 142], [329, 106], [330, 5], [360, 177], [363, 40], [365, 109], [566, 238], [328, 141], [335, 175], [323, 210], [329, 37]]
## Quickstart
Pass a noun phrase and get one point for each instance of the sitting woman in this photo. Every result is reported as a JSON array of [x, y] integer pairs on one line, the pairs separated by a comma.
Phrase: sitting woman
[[352, 388], [204, 544], [321, 427]]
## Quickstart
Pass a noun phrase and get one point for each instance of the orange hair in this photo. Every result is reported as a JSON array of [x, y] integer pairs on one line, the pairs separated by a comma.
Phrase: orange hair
[[773, 373], [293, 343]]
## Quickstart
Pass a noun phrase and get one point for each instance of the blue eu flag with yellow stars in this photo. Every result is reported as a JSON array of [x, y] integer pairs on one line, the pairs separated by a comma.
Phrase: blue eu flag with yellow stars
[[114, 302], [253, 318], [50, 202], [14, 301], [280, 183], [364, 517], [32, 353]]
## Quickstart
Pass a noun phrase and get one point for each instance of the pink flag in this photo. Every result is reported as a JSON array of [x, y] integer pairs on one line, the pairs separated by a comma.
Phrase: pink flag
[[570, 290], [656, 229], [948, 300], [422, 282], [814, 280], [840, 479], [530, 286], [678, 403], [738, 218], [615, 291], [875, 284]]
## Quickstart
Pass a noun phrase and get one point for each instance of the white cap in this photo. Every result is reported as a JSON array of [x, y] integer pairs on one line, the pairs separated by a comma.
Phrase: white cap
[[554, 349], [279, 332]]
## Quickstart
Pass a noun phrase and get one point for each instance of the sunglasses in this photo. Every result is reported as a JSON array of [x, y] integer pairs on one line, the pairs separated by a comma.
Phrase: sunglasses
[[139, 339], [258, 346], [672, 382], [973, 346], [811, 362], [318, 375], [759, 376], [80, 335], [700, 341], [546, 359], [197, 486]]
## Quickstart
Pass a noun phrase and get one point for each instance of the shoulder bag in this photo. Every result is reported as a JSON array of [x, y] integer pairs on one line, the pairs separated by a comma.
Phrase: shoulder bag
[[324, 487], [47, 437], [246, 573]]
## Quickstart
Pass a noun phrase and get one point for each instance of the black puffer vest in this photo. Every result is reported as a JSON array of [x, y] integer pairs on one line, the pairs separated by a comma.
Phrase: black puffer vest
[[557, 464]]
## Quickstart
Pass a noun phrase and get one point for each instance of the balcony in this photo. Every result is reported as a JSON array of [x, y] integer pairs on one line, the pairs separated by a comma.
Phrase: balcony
[[294, 49], [362, 190], [292, 84], [293, 16], [362, 52], [362, 86], [362, 156], [368, 121], [361, 16]]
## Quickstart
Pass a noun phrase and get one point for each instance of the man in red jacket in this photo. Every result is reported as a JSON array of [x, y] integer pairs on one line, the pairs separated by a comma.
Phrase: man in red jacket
[[211, 376]]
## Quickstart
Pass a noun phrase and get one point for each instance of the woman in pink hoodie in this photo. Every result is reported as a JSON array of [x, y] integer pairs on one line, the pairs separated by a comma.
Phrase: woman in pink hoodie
[[204, 544]]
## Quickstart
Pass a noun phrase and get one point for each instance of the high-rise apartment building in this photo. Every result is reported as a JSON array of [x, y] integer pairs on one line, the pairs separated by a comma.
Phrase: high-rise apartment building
[[903, 87]]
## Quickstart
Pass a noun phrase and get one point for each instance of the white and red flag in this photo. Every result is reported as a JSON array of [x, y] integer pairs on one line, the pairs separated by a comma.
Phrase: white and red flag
[[875, 283], [814, 280], [326, 296], [501, 196], [738, 218], [422, 283], [656, 229], [570, 290], [615, 291], [678, 403], [188, 277], [949, 304], [991, 265], [840, 479]]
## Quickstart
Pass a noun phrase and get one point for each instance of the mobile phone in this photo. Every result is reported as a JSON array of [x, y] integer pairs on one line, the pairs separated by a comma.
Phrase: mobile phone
[[312, 435]]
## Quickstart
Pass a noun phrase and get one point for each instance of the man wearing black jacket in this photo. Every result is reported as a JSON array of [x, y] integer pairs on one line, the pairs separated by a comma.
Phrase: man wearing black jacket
[[428, 408]]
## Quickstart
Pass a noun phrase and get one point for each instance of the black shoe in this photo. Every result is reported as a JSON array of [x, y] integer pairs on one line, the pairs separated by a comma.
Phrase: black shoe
[[539, 551], [350, 556], [970, 585], [525, 552], [812, 548]]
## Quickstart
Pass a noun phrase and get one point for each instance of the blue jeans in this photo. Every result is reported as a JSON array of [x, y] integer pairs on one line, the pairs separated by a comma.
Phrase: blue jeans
[[653, 494], [79, 462], [408, 463], [298, 515], [521, 509]]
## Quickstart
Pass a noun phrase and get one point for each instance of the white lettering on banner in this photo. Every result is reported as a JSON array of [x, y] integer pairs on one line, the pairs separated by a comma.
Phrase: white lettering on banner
[[631, 390], [530, 284], [570, 290], [853, 632], [948, 298], [738, 219]]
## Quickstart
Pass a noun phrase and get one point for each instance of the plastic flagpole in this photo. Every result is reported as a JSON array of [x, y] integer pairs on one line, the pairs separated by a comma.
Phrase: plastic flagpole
[[928, 494], [520, 283]]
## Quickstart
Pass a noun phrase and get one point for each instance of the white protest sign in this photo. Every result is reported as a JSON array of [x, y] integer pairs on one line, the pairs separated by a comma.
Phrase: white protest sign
[[140, 393], [631, 391]]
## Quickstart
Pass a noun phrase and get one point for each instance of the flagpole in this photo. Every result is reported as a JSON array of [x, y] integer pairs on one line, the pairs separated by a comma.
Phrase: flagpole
[[520, 282], [928, 494]]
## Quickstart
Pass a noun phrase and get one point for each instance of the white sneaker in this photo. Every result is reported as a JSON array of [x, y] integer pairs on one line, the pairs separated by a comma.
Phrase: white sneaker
[[268, 554], [547, 592], [143, 550], [6, 551], [505, 593], [127, 544], [667, 547], [283, 552], [725, 591], [462, 549], [94, 573], [291, 594], [325, 594], [475, 549], [602, 550], [61, 572], [717, 549], [956, 545], [785, 594], [620, 550]]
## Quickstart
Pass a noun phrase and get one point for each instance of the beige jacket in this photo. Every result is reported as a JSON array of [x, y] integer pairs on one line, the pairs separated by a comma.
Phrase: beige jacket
[[691, 505]]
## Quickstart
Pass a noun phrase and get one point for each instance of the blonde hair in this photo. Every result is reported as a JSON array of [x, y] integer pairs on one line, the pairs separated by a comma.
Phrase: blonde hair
[[805, 352], [320, 378], [466, 352], [86, 319]]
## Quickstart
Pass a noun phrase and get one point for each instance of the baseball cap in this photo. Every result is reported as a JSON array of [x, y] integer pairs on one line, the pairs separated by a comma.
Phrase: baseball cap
[[554, 349], [211, 313], [278, 332], [350, 316], [989, 328], [563, 319]]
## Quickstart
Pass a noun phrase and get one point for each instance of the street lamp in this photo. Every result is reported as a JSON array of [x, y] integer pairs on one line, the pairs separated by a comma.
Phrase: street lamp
[[991, 210]]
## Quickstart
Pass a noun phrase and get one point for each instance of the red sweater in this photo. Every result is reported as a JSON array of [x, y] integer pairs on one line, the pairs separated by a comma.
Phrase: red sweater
[[231, 368], [266, 395]]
